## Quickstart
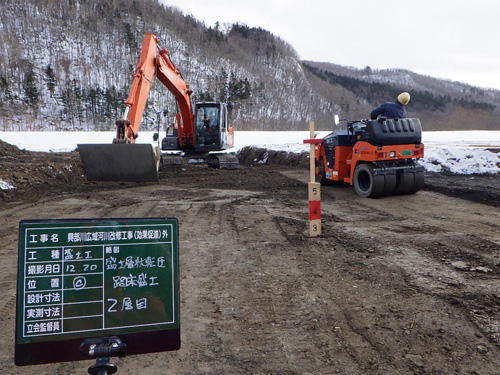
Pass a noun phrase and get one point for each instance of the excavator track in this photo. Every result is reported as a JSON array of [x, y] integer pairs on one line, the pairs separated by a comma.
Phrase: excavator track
[[216, 161], [223, 161]]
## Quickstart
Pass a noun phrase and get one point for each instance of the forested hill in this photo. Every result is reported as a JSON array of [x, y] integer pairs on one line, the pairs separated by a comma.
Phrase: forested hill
[[440, 104], [67, 64]]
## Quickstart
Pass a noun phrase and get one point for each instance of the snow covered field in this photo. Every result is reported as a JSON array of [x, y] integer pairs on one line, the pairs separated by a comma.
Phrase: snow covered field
[[457, 151]]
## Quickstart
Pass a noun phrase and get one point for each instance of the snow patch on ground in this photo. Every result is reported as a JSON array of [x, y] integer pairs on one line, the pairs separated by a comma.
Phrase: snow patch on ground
[[461, 160], [4, 185]]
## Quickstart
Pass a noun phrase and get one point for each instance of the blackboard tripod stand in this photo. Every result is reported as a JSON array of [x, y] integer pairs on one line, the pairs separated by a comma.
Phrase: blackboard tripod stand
[[102, 349]]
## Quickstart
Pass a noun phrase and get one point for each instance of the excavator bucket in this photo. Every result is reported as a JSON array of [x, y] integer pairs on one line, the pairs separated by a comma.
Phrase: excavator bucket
[[120, 162]]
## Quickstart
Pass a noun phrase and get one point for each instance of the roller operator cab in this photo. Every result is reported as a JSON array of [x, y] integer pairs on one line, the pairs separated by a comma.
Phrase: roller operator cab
[[211, 130], [379, 157]]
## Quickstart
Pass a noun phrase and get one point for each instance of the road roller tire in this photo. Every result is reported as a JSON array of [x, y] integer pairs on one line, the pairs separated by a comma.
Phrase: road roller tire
[[405, 183], [390, 181], [418, 182], [366, 183]]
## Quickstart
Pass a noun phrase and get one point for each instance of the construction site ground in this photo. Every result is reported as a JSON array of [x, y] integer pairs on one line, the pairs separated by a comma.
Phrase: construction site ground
[[396, 285]]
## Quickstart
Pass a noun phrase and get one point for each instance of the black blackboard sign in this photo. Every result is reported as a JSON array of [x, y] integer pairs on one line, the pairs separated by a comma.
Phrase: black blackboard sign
[[87, 278]]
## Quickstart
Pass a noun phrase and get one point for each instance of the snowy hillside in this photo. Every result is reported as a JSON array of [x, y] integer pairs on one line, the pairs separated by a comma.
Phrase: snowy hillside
[[67, 66]]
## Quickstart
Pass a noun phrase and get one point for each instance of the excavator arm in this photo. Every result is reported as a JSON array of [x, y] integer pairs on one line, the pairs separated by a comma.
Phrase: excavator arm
[[155, 62]]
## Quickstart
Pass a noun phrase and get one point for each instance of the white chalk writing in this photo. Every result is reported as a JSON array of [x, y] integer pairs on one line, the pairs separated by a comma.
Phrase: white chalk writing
[[127, 304], [37, 298], [43, 327], [132, 280], [145, 234], [131, 262]]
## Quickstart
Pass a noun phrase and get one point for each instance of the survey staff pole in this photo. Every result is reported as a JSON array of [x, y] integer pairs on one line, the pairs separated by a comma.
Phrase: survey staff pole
[[314, 187]]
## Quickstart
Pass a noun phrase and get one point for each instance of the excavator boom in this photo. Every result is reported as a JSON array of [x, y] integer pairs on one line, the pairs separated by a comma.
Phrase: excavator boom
[[155, 62]]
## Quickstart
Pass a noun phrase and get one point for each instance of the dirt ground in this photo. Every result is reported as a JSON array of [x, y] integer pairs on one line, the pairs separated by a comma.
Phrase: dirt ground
[[395, 285]]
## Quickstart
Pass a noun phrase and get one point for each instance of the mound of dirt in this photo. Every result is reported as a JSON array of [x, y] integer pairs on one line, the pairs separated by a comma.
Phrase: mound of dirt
[[37, 174], [7, 149], [479, 188], [248, 156]]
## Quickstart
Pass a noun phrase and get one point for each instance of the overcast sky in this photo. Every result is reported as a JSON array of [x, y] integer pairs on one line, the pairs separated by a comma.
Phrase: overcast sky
[[453, 39]]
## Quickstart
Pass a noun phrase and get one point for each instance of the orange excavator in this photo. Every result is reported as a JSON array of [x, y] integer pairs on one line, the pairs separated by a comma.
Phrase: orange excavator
[[199, 133]]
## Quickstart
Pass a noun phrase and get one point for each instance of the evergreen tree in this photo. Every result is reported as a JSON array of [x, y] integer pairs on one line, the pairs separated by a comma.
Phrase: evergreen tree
[[129, 36], [78, 95], [30, 91], [50, 80], [67, 100], [222, 86], [239, 89], [93, 100], [205, 96], [113, 101], [5, 92]]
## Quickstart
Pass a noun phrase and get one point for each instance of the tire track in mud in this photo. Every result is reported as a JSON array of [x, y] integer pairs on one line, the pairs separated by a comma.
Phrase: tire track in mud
[[242, 293], [430, 255], [285, 315], [365, 330], [262, 319], [353, 241], [233, 290], [428, 238], [458, 266], [208, 287], [304, 315]]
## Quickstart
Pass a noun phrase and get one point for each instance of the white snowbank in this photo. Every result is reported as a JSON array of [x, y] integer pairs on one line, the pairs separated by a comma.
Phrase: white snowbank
[[456, 151], [461, 160]]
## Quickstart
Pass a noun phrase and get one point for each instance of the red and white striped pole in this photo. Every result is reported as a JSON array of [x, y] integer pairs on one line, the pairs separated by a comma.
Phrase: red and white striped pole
[[313, 187]]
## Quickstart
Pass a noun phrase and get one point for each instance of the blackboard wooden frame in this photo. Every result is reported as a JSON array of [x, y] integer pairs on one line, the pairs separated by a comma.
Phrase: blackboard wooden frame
[[146, 236]]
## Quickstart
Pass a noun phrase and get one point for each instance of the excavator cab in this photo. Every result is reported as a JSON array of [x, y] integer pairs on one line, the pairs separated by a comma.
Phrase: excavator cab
[[211, 131]]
